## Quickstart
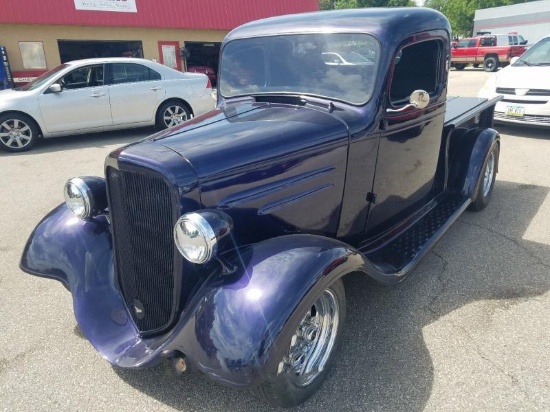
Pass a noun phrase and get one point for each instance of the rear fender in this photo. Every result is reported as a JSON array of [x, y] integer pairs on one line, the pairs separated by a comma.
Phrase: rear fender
[[242, 321], [467, 153]]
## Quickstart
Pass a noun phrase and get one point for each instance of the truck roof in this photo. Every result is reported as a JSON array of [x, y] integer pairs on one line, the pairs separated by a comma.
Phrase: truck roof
[[392, 24]]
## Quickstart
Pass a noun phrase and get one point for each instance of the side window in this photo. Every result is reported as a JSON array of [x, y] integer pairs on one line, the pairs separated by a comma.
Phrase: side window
[[131, 73], [417, 67], [472, 43], [89, 76]]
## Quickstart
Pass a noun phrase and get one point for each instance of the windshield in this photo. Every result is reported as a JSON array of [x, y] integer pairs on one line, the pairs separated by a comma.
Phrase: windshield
[[537, 55], [39, 81], [300, 64]]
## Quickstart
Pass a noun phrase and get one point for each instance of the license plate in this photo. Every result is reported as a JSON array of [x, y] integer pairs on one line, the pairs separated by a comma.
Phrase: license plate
[[515, 111]]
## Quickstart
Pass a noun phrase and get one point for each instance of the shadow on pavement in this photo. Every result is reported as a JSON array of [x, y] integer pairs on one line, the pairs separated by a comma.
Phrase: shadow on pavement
[[383, 362], [529, 132]]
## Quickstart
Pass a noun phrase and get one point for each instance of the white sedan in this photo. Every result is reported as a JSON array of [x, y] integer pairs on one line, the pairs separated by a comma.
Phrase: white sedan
[[95, 95], [525, 85]]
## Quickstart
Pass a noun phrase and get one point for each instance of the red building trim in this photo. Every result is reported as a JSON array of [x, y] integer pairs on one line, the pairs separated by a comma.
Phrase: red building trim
[[180, 14]]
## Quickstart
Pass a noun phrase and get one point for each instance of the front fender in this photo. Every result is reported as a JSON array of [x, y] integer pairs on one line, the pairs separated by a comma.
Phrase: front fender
[[236, 325], [468, 150], [79, 254], [239, 326]]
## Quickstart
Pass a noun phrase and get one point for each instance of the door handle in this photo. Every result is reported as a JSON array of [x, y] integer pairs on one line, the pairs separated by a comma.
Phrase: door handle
[[97, 95], [156, 88]]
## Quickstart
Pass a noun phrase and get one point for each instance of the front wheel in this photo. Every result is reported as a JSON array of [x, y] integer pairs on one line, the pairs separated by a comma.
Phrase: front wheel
[[459, 66], [304, 363], [486, 180], [490, 64], [171, 114], [18, 132]]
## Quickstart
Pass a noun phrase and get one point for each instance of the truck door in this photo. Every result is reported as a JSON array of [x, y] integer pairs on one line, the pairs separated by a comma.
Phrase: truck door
[[466, 51], [410, 138]]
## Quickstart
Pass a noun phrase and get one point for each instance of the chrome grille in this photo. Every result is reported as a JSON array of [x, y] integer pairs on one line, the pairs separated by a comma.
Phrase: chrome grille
[[525, 118], [530, 92]]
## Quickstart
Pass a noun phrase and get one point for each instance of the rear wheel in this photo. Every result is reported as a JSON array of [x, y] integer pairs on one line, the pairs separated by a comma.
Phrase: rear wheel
[[171, 114], [304, 363], [459, 66], [490, 64], [486, 180], [18, 132]]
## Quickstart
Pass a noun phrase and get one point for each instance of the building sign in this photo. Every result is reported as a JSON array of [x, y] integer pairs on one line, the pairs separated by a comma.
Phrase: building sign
[[128, 6]]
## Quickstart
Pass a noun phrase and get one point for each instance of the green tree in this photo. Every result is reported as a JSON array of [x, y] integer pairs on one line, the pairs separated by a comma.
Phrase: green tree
[[354, 4], [461, 12]]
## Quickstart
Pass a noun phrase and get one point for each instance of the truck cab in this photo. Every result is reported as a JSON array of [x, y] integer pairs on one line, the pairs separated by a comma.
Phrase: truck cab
[[223, 243]]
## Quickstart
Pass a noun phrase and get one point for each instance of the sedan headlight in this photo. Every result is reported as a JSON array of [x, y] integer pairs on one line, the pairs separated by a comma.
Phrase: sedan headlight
[[197, 234], [85, 196]]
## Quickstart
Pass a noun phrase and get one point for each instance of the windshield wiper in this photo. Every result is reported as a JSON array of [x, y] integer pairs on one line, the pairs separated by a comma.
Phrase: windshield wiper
[[295, 99], [319, 103]]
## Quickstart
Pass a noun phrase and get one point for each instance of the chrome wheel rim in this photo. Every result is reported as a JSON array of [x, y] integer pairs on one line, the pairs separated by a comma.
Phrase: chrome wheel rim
[[488, 176], [313, 340], [174, 115], [15, 133]]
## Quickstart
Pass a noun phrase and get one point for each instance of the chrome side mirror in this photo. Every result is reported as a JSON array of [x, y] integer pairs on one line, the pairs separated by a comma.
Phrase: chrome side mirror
[[419, 99], [56, 88]]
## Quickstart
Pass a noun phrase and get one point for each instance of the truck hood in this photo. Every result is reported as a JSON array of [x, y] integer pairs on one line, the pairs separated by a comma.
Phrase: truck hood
[[249, 134]]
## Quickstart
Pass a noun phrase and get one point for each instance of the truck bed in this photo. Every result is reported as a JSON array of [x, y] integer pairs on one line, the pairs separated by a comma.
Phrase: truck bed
[[462, 109]]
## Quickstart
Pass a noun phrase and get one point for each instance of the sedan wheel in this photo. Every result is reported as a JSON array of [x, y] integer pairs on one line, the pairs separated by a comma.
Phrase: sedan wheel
[[305, 363], [171, 114], [17, 132]]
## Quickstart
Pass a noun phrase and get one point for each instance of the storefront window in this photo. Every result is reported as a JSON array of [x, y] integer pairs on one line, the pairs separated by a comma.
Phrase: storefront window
[[32, 54]]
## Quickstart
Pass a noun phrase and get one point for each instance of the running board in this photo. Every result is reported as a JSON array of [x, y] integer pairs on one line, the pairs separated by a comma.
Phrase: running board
[[394, 257]]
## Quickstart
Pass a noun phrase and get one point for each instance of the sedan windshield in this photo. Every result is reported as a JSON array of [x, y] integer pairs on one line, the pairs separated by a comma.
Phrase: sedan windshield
[[39, 81], [537, 55], [335, 66]]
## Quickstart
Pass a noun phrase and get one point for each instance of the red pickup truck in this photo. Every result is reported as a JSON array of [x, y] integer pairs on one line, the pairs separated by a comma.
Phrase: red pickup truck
[[492, 51]]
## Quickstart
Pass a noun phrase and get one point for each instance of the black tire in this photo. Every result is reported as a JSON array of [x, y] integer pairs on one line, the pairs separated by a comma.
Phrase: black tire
[[18, 132], [490, 64], [172, 113], [475, 65], [287, 386], [459, 66], [486, 181]]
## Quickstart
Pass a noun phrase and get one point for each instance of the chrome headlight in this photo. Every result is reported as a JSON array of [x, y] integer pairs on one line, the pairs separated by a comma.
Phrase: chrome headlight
[[85, 196], [197, 234]]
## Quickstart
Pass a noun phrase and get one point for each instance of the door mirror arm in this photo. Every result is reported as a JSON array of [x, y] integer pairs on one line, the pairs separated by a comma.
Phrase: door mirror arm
[[419, 99]]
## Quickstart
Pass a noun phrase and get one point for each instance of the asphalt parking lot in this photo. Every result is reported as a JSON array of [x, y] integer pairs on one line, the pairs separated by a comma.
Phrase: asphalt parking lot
[[469, 330]]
